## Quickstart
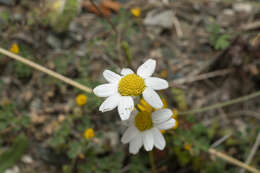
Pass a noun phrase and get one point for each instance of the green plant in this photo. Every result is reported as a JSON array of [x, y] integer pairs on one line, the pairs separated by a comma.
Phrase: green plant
[[8, 119], [14, 153], [217, 39]]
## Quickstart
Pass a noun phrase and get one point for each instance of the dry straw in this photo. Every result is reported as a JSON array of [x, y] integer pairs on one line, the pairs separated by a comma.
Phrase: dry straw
[[45, 70]]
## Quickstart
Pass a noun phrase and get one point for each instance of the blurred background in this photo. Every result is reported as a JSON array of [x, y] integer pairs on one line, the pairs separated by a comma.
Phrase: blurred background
[[208, 50]]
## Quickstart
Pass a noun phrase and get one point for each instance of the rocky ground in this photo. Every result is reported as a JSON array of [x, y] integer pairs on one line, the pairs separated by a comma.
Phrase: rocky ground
[[208, 50]]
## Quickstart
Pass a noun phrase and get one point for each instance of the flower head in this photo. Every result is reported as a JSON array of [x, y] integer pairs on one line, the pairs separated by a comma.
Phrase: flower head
[[187, 147], [81, 99], [136, 12], [89, 133], [121, 89], [144, 129], [14, 48]]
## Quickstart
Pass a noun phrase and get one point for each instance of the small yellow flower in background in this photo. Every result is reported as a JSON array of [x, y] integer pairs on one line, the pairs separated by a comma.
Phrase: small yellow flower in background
[[187, 147], [136, 12], [14, 48], [81, 99], [164, 74], [89, 133], [81, 156]]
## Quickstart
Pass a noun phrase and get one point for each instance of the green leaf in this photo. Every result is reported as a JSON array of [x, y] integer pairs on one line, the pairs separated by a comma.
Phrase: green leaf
[[13, 154], [75, 148], [222, 42]]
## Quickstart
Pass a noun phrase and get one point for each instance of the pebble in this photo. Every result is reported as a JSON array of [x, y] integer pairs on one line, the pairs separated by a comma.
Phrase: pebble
[[54, 42], [242, 7], [163, 19], [27, 159], [15, 169]]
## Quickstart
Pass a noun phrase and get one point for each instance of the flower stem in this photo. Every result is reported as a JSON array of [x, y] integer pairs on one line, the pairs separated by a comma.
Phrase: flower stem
[[45, 70], [151, 158], [222, 104]]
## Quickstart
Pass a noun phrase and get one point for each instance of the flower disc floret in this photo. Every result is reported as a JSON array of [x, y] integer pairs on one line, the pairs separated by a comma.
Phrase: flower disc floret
[[131, 85], [143, 121]]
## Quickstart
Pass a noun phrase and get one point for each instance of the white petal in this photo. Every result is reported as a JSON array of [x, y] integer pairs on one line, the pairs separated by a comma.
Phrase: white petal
[[147, 68], [129, 134], [161, 115], [110, 103], [152, 98], [126, 71], [125, 107], [105, 90], [159, 141], [148, 140], [111, 76], [167, 124], [136, 144], [156, 83]]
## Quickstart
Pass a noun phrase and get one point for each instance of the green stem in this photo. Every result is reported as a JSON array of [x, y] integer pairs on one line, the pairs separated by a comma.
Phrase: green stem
[[222, 104], [151, 158], [128, 53]]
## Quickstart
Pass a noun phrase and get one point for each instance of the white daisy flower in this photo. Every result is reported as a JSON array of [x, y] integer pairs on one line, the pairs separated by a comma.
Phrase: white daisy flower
[[121, 90], [144, 129]]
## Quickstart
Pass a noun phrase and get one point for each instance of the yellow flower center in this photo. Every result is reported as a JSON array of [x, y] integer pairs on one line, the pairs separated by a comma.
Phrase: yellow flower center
[[136, 12], [89, 133], [131, 85], [143, 121], [81, 99], [14, 48]]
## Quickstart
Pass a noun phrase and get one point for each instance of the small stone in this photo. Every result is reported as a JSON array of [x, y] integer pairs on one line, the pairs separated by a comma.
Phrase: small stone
[[18, 17], [61, 118], [27, 159], [15, 169], [242, 7], [54, 42], [163, 19]]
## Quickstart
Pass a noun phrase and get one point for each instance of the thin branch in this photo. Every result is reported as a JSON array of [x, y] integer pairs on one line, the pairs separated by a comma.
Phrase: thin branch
[[221, 140], [45, 70], [252, 152], [232, 160], [190, 79], [222, 104]]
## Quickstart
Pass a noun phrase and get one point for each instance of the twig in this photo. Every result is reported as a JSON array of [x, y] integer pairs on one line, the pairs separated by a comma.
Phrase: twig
[[247, 112], [177, 26], [45, 70], [221, 140], [190, 79], [222, 104], [252, 152], [251, 26], [232, 160]]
